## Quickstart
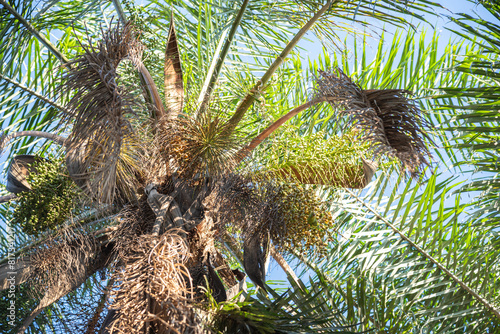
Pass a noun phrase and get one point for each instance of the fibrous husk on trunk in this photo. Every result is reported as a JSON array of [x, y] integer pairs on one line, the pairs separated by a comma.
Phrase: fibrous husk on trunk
[[154, 287], [386, 118]]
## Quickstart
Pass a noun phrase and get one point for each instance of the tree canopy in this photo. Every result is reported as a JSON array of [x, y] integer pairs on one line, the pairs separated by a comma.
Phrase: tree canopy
[[159, 153]]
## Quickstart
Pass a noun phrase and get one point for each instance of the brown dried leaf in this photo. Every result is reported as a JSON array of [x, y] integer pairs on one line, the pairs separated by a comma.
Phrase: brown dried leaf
[[174, 87], [101, 142], [385, 118]]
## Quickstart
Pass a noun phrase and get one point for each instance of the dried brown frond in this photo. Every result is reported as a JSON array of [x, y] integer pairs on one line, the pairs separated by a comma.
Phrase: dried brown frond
[[153, 287], [199, 146], [104, 169], [204, 260], [386, 118], [50, 262], [134, 221], [62, 264], [101, 145]]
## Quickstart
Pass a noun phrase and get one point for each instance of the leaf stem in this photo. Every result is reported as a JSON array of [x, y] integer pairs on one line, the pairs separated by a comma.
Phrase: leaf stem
[[7, 198], [35, 32], [120, 11], [4, 140], [259, 86], [35, 94], [213, 73], [273, 127]]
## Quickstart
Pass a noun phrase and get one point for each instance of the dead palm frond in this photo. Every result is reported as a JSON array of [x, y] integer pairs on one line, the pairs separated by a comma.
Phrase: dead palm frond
[[60, 265], [97, 153], [106, 170], [386, 118]]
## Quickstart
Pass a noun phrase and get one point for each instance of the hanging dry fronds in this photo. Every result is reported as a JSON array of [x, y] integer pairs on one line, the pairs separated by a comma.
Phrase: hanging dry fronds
[[386, 118], [153, 289], [61, 264], [101, 145], [105, 169]]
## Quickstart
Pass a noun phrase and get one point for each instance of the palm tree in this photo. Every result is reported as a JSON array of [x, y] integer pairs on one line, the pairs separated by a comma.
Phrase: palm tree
[[170, 205]]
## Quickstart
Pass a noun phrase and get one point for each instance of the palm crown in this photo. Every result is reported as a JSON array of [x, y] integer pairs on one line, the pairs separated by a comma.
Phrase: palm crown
[[163, 175]]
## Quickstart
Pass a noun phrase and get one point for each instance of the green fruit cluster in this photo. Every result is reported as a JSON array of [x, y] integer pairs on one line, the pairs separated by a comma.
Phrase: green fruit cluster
[[51, 200]]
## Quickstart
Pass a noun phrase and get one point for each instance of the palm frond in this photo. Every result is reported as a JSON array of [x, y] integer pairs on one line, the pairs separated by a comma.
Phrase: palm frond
[[261, 314], [408, 276], [101, 135], [386, 119], [382, 266], [30, 70], [200, 145], [475, 127]]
